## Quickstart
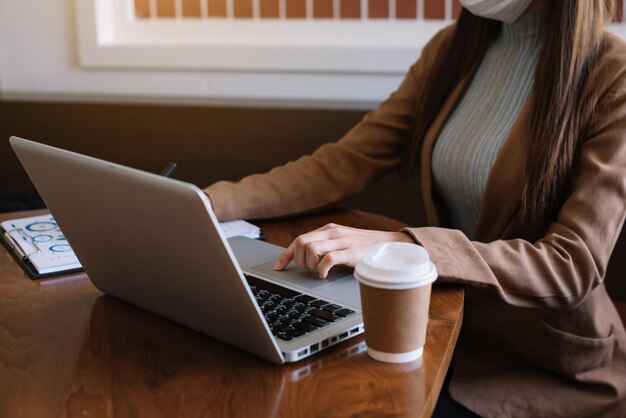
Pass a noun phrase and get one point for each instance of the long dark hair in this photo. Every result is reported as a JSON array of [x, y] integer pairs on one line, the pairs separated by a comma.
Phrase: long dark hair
[[561, 113]]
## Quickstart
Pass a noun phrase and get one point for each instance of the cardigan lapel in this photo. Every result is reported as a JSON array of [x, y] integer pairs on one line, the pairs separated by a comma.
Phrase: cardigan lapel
[[505, 184]]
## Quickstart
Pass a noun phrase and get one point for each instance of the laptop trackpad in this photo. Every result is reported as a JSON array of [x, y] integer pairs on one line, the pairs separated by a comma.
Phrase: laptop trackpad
[[299, 276]]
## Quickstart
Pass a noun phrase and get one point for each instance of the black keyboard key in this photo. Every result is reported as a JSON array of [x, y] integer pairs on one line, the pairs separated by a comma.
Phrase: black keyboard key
[[281, 327], [298, 306], [271, 318], [268, 307], [327, 316], [344, 312], [318, 303], [284, 317], [285, 337], [306, 299], [274, 288], [305, 326], [294, 313], [331, 308], [281, 310], [303, 308], [315, 321], [288, 303], [295, 332]]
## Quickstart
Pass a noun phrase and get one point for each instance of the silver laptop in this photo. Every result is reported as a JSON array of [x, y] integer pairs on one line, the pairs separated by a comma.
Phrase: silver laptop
[[155, 242]]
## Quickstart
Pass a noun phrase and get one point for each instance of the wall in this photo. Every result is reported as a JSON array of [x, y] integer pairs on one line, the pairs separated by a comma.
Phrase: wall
[[39, 61]]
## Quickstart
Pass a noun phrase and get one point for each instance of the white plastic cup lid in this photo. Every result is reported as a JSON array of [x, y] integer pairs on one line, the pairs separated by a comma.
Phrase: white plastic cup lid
[[396, 265]]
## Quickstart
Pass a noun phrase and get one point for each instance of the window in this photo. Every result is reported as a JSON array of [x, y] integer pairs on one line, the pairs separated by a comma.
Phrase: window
[[339, 36]]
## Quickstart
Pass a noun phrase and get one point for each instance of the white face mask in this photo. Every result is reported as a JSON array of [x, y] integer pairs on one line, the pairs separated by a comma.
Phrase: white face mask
[[502, 10]]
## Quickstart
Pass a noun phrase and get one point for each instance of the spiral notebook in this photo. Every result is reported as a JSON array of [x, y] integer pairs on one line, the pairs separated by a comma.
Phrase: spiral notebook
[[40, 247]]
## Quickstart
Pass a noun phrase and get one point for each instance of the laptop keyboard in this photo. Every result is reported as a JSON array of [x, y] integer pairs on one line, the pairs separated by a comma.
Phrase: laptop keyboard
[[291, 314]]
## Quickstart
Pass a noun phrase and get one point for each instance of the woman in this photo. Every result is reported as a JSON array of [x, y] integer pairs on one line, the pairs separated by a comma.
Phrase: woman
[[515, 118]]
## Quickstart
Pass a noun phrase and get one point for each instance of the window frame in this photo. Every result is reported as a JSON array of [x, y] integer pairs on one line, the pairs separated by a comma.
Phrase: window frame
[[111, 37]]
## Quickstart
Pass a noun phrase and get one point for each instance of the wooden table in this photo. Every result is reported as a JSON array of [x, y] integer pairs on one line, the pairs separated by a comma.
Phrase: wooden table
[[68, 350]]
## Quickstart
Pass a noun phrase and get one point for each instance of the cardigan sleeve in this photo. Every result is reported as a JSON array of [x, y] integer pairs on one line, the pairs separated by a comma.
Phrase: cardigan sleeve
[[336, 170], [570, 260]]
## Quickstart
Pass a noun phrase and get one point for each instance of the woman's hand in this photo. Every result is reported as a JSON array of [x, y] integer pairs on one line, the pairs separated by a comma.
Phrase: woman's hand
[[333, 245]]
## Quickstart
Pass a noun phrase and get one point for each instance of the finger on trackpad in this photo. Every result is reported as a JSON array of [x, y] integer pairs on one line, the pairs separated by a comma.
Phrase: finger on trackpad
[[301, 276]]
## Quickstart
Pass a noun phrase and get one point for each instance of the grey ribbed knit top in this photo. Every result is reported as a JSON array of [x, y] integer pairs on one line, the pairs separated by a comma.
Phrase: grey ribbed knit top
[[474, 133]]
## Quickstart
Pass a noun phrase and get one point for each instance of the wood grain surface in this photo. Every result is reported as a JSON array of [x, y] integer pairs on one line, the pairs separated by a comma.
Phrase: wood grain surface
[[67, 350]]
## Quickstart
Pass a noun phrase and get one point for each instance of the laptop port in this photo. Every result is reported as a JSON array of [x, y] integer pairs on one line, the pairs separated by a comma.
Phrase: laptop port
[[344, 335], [315, 348], [354, 331], [325, 343], [303, 352], [333, 340]]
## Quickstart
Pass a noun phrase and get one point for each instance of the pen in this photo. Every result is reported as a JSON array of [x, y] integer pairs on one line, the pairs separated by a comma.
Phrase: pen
[[168, 170]]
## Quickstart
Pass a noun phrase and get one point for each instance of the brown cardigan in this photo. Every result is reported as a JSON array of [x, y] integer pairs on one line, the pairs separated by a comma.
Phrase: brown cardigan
[[541, 337]]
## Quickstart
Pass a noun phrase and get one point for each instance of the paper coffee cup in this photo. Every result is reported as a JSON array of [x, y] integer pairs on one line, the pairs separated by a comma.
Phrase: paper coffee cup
[[395, 280]]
